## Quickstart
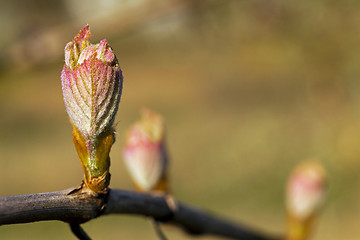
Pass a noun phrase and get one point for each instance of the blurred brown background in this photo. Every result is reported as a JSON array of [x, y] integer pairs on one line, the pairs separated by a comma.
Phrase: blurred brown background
[[248, 89]]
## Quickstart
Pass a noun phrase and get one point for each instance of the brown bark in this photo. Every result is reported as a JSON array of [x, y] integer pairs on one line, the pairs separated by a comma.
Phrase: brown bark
[[79, 205]]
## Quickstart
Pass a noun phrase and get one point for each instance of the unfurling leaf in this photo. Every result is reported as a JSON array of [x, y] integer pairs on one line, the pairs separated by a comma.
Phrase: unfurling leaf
[[91, 84]]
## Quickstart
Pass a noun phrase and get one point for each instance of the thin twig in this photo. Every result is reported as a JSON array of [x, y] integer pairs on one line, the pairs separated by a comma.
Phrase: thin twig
[[158, 230], [79, 232]]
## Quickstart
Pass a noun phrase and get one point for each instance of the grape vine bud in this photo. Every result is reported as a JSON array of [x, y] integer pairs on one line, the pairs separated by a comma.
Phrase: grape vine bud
[[305, 194], [145, 153], [91, 84]]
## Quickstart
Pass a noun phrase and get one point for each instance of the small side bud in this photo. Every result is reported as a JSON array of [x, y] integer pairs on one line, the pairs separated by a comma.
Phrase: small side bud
[[145, 153], [305, 193], [91, 84]]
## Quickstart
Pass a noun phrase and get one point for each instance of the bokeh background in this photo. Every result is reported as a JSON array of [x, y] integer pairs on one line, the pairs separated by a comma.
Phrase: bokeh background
[[248, 89]]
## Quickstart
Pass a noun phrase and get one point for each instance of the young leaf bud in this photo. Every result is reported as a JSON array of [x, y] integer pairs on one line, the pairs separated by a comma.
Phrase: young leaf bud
[[145, 153], [305, 194], [91, 84]]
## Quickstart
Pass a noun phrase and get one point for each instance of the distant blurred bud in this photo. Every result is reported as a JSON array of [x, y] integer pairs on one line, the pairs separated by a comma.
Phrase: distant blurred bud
[[305, 195], [92, 83], [145, 153], [306, 190]]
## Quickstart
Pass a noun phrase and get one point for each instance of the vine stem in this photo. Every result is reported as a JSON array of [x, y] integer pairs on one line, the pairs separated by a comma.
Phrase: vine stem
[[78, 205]]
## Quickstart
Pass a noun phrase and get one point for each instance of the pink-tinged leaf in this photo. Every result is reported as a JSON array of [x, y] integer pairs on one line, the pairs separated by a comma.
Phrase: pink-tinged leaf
[[92, 87]]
